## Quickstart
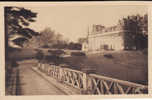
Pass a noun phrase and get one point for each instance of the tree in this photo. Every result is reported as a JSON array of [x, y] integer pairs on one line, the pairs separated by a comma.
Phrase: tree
[[47, 37], [82, 40], [50, 39], [17, 20], [74, 46], [33, 42], [135, 32]]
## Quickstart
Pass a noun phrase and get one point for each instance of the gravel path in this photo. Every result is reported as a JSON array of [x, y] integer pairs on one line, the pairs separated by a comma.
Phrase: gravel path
[[33, 84]]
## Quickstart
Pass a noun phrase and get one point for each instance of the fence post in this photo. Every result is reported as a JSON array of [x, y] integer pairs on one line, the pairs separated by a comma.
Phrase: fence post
[[60, 74], [42, 66], [39, 65], [48, 70], [84, 82]]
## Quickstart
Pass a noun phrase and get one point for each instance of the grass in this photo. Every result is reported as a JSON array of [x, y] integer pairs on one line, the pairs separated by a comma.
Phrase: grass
[[22, 54], [126, 65]]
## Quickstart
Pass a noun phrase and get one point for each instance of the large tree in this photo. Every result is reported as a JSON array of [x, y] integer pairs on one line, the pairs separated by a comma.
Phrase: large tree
[[136, 32], [17, 20], [47, 37]]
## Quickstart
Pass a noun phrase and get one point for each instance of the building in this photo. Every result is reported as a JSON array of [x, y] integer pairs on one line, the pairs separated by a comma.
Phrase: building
[[101, 38]]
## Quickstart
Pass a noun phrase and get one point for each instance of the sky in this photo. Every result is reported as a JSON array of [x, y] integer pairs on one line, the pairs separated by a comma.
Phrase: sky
[[73, 20]]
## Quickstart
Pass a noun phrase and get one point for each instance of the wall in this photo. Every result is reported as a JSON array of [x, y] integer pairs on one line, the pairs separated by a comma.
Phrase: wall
[[106, 41]]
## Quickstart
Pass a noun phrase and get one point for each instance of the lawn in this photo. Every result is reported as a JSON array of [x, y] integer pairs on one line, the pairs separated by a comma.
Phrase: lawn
[[125, 65], [22, 54]]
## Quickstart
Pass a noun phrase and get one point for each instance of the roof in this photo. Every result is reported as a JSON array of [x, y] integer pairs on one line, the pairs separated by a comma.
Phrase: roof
[[106, 33]]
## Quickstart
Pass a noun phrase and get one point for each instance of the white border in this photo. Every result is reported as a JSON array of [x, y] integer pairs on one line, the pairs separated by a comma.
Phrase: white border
[[73, 97]]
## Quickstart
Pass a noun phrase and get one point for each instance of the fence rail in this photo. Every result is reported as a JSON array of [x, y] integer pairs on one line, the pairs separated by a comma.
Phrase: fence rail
[[92, 83], [104, 85]]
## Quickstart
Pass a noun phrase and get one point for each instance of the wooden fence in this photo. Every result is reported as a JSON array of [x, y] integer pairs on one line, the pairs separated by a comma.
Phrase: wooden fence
[[92, 83]]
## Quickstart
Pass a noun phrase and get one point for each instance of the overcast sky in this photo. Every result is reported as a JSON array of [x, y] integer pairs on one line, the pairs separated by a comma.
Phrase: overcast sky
[[73, 20]]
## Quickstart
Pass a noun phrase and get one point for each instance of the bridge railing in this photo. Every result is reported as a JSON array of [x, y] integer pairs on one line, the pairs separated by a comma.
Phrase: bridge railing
[[92, 83], [71, 77], [98, 84], [74, 78], [51, 70]]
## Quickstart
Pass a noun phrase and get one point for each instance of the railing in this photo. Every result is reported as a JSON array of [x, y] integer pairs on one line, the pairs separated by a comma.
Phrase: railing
[[104, 85], [73, 78], [92, 83]]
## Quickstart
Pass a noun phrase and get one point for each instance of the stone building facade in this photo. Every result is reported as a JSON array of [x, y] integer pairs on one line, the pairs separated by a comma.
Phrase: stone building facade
[[101, 38]]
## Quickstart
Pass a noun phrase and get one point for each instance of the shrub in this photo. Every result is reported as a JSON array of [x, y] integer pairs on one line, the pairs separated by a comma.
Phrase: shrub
[[78, 54], [108, 56], [53, 59], [56, 52], [39, 55], [145, 51]]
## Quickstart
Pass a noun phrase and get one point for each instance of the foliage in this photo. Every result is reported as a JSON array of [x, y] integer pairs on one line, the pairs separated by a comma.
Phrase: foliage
[[145, 51], [47, 37], [136, 32], [39, 55], [56, 52], [17, 20], [74, 46], [108, 56], [61, 44], [82, 40], [78, 54]]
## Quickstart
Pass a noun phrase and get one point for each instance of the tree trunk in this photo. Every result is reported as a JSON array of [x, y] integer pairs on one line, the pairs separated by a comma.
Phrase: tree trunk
[[6, 33]]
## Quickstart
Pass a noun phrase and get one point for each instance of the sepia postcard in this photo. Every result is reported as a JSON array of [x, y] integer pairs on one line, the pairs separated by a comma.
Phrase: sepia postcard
[[86, 50]]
